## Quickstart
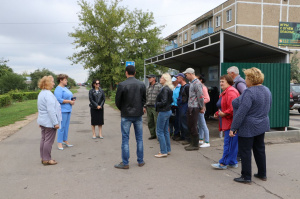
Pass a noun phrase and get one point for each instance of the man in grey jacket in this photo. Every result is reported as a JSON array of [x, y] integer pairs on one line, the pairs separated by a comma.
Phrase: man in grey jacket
[[195, 105]]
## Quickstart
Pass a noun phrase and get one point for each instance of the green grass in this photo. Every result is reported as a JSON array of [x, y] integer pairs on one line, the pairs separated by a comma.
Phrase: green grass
[[17, 111], [111, 103]]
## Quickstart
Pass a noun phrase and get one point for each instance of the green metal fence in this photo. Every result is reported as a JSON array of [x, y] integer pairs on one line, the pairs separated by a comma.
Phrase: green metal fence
[[277, 79]]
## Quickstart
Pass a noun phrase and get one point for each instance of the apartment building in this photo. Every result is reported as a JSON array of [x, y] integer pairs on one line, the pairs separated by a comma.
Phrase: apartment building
[[255, 19]]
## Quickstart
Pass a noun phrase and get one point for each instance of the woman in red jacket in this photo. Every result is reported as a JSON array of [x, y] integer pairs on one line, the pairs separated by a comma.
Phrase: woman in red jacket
[[225, 114]]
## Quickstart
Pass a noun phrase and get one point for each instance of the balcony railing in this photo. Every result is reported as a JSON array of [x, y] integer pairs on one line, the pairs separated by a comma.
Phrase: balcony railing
[[202, 32], [170, 47]]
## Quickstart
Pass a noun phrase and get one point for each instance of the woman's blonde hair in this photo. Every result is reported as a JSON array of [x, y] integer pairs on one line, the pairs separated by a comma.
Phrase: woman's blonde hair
[[46, 82], [168, 79], [254, 75]]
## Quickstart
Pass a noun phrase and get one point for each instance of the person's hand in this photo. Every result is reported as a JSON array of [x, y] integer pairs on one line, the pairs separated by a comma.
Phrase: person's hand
[[231, 133], [98, 107], [72, 102], [56, 126], [144, 110], [221, 114], [202, 110], [216, 116]]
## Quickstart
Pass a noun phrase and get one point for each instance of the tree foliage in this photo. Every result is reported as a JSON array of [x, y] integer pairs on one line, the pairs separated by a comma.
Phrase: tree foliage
[[37, 75], [4, 69], [108, 35], [295, 73], [11, 81]]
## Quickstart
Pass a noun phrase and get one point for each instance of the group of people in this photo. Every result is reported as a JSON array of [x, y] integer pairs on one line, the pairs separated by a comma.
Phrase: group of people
[[55, 113], [243, 109]]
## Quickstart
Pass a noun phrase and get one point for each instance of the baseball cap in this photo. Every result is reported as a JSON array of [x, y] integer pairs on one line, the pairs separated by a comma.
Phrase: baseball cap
[[179, 74], [174, 79], [149, 76], [189, 70]]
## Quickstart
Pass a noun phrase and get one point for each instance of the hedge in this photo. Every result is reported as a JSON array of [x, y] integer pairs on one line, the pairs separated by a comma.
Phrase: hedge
[[17, 96], [31, 95], [5, 100]]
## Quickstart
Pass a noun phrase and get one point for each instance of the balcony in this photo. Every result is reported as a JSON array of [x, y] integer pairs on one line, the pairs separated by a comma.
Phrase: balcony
[[202, 32], [170, 47]]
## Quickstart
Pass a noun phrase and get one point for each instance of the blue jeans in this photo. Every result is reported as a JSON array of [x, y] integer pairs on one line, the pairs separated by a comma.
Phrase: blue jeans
[[138, 130], [162, 131], [202, 128], [62, 133], [183, 122], [230, 149]]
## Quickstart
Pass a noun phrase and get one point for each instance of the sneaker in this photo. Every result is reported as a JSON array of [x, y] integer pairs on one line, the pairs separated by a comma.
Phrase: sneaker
[[121, 166], [233, 166], [201, 142], [219, 166], [205, 145], [160, 155]]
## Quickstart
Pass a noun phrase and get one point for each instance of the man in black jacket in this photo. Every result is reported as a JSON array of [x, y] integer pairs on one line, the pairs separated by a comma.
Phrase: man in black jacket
[[130, 100]]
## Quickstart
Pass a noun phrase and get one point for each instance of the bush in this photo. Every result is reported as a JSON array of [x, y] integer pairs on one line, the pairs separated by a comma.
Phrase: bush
[[31, 95], [11, 81], [17, 96], [5, 100]]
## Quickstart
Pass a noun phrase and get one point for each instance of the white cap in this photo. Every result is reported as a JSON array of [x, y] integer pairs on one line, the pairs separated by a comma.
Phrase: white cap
[[174, 79], [189, 70]]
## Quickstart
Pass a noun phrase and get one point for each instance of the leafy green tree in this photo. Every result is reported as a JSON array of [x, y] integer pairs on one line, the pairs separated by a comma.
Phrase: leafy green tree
[[295, 73], [71, 82], [37, 75], [4, 69], [11, 81], [109, 35]]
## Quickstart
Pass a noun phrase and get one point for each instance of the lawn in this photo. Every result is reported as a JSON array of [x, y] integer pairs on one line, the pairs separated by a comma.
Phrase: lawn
[[17, 111]]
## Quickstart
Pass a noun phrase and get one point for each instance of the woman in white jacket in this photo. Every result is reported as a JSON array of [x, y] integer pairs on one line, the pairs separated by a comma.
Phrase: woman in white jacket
[[49, 118]]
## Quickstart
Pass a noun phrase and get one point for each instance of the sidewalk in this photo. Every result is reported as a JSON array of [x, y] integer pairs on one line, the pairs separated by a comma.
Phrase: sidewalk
[[87, 169]]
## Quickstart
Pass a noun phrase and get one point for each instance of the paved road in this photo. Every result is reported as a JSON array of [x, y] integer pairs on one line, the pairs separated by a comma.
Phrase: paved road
[[86, 170]]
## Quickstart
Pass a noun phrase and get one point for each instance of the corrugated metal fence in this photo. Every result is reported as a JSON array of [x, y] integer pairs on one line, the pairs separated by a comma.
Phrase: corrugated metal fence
[[277, 79]]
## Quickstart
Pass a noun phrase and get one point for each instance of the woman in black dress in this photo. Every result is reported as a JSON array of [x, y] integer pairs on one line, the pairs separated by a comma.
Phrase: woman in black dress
[[97, 99]]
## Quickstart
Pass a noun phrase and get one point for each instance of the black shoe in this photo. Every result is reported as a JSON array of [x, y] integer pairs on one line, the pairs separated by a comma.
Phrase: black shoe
[[121, 166], [142, 164], [152, 137], [238, 159], [263, 178], [242, 180], [191, 148], [179, 139]]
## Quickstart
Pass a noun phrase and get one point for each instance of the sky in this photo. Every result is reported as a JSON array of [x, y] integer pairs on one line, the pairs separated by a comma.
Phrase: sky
[[34, 33]]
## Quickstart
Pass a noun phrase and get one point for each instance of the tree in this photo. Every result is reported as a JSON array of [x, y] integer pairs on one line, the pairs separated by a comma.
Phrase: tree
[[11, 81], [295, 73], [4, 69], [109, 35], [37, 75]]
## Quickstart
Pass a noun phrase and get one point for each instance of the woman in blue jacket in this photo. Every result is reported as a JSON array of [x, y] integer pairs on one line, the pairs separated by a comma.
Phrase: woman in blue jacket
[[251, 121], [64, 97]]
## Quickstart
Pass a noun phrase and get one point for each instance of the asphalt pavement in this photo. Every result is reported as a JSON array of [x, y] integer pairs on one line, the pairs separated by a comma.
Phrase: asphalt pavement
[[87, 169]]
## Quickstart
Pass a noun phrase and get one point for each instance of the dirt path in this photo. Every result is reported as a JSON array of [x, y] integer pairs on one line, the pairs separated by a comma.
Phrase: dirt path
[[7, 131]]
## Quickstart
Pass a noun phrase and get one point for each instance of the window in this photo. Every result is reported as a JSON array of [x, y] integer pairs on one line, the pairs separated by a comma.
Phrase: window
[[229, 15], [200, 27], [185, 36], [192, 31], [209, 25], [218, 21], [180, 39]]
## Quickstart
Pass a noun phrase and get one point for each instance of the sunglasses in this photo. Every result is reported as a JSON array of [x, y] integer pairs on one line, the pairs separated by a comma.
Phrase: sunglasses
[[97, 83]]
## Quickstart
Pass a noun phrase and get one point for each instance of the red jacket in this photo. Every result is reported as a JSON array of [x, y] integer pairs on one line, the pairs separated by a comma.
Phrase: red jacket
[[226, 106]]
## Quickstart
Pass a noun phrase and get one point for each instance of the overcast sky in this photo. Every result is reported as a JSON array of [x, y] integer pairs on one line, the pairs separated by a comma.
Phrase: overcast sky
[[34, 33]]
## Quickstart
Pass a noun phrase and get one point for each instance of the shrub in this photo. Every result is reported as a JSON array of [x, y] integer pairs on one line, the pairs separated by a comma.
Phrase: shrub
[[17, 96], [5, 100], [31, 95]]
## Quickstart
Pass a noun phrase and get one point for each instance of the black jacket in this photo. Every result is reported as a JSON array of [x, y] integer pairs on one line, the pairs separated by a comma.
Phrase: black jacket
[[96, 99], [131, 97], [164, 99]]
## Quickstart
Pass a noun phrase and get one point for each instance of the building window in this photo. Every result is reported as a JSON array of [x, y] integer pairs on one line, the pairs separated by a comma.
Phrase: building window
[[229, 15], [192, 31], [180, 39], [200, 27], [218, 21], [185, 36], [209, 25]]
